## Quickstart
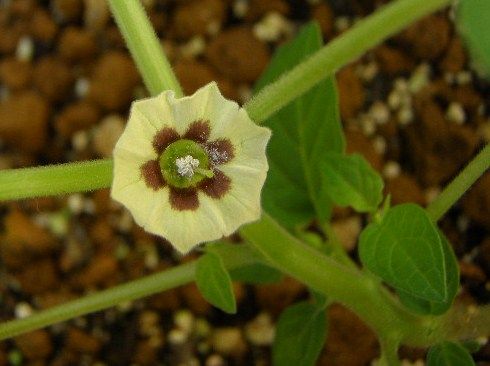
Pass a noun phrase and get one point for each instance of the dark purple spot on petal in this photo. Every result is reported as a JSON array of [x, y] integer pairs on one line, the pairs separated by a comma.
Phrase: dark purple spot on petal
[[163, 138], [184, 199], [152, 174], [217, 186], [198, 131], [220, 151]]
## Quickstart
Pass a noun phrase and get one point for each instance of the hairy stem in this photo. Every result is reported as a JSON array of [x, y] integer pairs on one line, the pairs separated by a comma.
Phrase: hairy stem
[[340, 283], [158, 76], [144, 47], [365, 296], [275, 246], [55, 179], [280, 249], [233, 257], [463, 181], [149, 285], [346, 285], [346, 48]]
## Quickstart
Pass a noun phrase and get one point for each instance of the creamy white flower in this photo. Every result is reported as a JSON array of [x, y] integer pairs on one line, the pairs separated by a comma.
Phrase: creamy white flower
[[190, 169]]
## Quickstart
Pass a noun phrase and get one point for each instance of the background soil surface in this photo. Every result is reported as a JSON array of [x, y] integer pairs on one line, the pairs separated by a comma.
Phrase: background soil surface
[[412, 106]]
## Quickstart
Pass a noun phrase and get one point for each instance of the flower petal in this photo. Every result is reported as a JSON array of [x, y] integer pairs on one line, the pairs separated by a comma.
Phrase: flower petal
[[184, 229], [220, 151], [163, 138], [232, 123], [184, 199], [206, 104], [217, 186], [250, 150], [198, 131], [138, 199], [157, 110], [152, 175], [242, 203], [127, 168], [137, 136], [130, 187]]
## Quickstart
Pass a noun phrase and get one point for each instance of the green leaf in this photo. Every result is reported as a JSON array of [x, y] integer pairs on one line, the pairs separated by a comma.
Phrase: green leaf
[[473, 17], [350, 181], [449, 354], [214, 282], [300, 335], [426, 307], [256, 274], [303, 132], [405, 250]]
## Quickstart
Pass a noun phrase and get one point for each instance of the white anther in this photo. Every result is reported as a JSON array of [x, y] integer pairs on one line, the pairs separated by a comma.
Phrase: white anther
[[186, 166]]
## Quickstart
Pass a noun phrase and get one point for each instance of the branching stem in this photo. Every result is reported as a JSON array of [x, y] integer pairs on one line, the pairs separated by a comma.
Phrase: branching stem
[[341, 283]]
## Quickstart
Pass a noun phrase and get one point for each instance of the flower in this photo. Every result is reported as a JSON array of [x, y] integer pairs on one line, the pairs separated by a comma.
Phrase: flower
[[190, 169]]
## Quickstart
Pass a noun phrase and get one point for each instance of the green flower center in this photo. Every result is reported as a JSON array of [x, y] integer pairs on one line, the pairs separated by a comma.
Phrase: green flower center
[[184, 164]]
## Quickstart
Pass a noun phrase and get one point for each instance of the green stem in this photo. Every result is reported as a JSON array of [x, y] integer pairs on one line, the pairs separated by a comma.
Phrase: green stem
[[280, 248], [55, 179], [96, 174], [389, 352], [233, 257], [346, 285], [158, 76], [149, 285], [145, 47], [463, 181], [340, 283], [365, 297], [369, 32]]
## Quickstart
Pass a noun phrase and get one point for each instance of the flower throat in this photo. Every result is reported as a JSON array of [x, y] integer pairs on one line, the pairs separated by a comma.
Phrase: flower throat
[[184, 164]]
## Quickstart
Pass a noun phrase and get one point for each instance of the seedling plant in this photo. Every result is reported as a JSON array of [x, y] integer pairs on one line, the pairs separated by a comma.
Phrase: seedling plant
[[195, 169]]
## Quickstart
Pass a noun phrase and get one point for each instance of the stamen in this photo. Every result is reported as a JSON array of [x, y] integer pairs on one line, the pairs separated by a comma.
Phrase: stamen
[[186, 166], [208, 173]]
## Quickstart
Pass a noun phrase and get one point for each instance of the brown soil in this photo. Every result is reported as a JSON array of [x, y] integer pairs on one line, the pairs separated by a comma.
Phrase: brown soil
[[412, 106]]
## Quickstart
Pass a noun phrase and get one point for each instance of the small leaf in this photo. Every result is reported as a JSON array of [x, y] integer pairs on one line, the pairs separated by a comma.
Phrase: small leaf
[[300, 335], [256, 274], [406, 252], [350, 181], [449, 354], [214, 282], [473, 17], [425, 307], [303, 132]]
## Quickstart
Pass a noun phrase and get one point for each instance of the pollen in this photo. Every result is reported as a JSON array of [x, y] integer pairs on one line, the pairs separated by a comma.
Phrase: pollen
[[186, 166]]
